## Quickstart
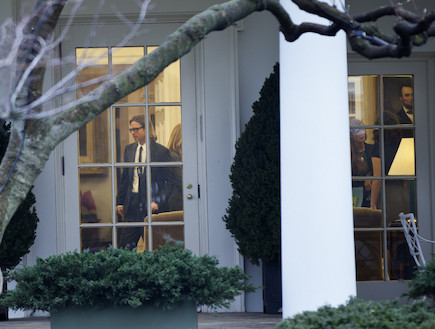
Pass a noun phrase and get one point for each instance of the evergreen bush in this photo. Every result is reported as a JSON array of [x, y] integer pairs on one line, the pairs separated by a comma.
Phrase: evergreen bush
[[423, 284], [21, 232], [253, 215], [360, 314], [116, 277]]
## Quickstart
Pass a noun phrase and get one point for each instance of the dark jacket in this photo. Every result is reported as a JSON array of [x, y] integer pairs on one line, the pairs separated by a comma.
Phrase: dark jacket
[[160, 176]]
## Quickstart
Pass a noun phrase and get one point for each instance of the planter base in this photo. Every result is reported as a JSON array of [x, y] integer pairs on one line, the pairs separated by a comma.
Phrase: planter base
[[183, 316], [272, 293]]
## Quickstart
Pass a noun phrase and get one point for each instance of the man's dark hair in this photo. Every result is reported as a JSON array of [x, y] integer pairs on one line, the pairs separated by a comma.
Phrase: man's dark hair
[[139, 119], [402, 86]]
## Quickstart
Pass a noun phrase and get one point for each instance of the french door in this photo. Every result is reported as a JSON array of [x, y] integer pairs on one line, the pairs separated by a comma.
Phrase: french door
[[94, 157], [388, 109]]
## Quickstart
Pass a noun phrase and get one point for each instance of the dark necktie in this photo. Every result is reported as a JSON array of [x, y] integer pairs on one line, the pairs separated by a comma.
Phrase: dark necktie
[[139, 174], [139, 169]]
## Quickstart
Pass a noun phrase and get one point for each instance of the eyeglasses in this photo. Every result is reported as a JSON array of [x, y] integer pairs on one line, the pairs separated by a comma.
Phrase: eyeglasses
[[135, 130]]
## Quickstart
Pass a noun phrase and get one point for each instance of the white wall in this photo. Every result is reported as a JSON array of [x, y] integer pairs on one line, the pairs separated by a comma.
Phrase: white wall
[[258, 52], [45, 194], [219, 126]]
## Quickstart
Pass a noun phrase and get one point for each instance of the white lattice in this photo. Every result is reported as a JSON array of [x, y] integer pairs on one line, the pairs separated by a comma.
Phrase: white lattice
[[413, 238]]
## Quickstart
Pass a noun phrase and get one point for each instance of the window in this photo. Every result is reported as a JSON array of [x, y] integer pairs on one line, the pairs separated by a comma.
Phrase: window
[[109, 175], [382, 130]]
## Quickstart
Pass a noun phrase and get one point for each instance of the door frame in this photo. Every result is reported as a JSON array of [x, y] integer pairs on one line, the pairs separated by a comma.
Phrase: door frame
[[68, 229], [420, 66]]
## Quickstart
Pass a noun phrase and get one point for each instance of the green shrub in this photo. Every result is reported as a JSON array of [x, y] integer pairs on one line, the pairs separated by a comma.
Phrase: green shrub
[[359, 314], [253, 216], [121, 277], [423, 284]]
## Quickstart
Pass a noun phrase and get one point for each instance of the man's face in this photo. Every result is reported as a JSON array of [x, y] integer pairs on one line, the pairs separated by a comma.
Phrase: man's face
[[407, 97], [138, 132]]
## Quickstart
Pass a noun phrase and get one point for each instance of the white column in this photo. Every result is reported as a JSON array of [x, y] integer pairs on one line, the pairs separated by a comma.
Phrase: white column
[[318, 263]]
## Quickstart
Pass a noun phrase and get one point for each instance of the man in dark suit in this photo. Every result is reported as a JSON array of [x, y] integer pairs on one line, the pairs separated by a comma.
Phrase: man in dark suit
[[132, 203], [406, 113]]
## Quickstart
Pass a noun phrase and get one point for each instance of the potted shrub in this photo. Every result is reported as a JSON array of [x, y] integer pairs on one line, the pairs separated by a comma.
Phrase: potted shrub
[[253, 216], [118, 288]]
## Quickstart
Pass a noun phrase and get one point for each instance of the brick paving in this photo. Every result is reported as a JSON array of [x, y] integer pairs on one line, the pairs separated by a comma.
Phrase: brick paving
[[205, 321]]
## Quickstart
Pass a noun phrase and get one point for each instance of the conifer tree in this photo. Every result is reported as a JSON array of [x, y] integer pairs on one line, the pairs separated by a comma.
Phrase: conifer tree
[[253, 215]]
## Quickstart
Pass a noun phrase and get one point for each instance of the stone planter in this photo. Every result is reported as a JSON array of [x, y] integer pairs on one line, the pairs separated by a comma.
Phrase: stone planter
[[183, 316]]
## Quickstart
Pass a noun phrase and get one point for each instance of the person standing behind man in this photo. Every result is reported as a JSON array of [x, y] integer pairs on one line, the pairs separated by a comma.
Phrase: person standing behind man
[[175, 143], [131, 200]]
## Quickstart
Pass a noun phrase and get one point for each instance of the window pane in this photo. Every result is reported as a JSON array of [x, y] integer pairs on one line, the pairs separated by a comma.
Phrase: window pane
[[167, 123], [166, 87], [400, 158], [401, 263], [368, 256], [362, 150], [376, 201], [132, 237], [171, 216], [175, 182], [365, 217], [94, 140], [122, 59], [364, 98], [131, 194], [399, 98], [166, 188], [95, 195], [93, 67], [162, 234], [95, 238], [400, 197], [123, 138], [92, 64]]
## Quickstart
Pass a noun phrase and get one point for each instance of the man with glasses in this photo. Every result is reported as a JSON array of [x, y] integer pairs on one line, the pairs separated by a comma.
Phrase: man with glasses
[[132, 204]]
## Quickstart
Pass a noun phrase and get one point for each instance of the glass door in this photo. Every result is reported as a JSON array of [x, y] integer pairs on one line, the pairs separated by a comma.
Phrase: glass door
[[133, 183], [388, 136]]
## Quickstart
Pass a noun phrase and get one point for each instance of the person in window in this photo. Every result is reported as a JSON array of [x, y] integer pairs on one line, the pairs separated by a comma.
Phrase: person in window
[[361, 159], [392, 138], [131, 200], [175, 200]]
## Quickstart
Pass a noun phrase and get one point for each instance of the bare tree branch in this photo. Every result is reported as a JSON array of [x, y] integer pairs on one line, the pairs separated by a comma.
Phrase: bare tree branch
[[35, 132]]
